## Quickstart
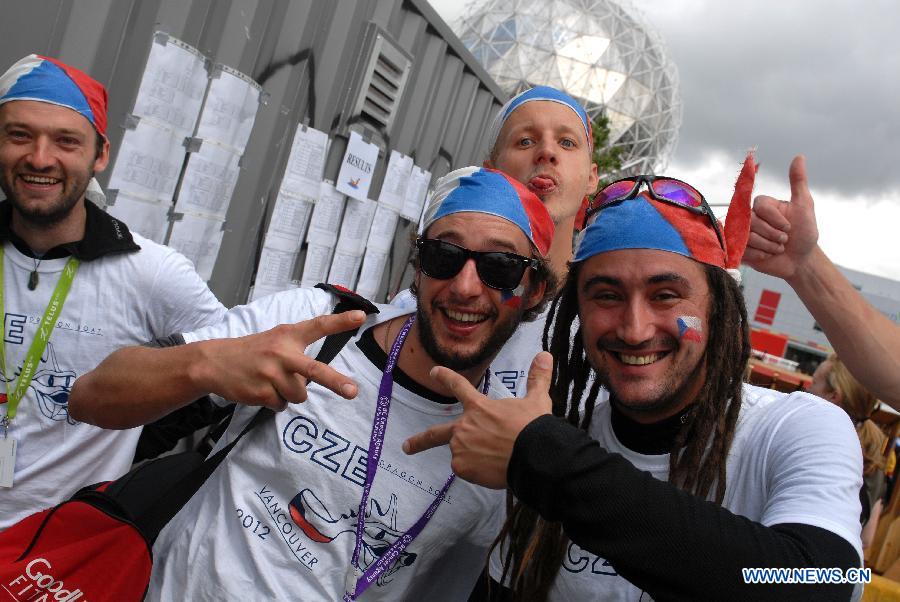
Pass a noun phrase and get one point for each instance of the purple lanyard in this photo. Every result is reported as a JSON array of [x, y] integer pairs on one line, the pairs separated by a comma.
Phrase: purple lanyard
[[359, 581]]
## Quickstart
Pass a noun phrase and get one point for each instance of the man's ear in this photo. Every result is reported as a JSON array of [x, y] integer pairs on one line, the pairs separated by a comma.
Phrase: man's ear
[[102, 160], [534, 296], [593, 180]]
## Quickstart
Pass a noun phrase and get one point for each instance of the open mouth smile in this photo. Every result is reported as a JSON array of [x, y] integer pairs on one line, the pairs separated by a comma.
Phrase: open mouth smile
[[645, 359], [39, 180], [467, 318]]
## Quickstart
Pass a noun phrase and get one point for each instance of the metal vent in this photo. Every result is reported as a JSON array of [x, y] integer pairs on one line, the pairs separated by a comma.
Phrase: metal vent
[[383, 84]]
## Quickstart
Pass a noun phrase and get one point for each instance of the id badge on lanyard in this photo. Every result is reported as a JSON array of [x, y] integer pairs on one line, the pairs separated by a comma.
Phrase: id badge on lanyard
[[357, 580], [16, 389]]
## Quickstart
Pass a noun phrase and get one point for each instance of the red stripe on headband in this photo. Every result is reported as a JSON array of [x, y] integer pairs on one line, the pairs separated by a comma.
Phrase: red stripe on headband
[[93, 91]]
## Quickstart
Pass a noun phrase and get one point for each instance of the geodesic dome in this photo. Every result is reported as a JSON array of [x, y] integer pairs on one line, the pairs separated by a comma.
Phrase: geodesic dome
[[596, 51]]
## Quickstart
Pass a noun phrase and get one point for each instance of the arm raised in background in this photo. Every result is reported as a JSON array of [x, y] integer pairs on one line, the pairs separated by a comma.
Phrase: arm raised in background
[[784, 243], [137, 385]]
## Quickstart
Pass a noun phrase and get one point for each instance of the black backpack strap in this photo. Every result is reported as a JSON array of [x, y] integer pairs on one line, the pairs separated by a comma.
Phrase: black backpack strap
[[159, 514]]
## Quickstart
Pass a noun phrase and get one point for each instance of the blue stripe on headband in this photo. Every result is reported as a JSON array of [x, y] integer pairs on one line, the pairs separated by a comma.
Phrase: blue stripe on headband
[[482, 191], [553, 95], [631, 224], [46, 82]]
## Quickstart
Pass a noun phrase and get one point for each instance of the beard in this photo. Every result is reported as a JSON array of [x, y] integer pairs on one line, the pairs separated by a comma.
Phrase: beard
[[52, 212], [450, 358]]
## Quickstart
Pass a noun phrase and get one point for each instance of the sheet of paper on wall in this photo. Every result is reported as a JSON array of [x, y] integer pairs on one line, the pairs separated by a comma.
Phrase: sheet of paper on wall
[[149, 162], [198, 238], [357, 168], [275, 270], [381, 234], [396, 180], [416, 190], [172, 85], [326, 217], [208, 181], [355, 226], [288, 223], [150, 219], [230, 108], [316, 264], [259, 291], [371, 273], [306, 163], [344, 269]]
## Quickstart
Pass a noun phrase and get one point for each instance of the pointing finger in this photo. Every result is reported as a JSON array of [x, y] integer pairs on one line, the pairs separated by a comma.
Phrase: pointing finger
[[322, 326], [329, 378], [455, 384], [434, 437]]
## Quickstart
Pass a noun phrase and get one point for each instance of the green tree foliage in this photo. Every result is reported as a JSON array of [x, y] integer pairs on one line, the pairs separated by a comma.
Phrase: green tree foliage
[[607, 157]]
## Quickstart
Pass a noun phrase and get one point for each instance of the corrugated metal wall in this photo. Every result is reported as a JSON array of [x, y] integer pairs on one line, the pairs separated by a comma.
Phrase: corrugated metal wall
[[309, 57]]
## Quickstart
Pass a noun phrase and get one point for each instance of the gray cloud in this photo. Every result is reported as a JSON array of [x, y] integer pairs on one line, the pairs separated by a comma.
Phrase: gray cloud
[[804, 76]]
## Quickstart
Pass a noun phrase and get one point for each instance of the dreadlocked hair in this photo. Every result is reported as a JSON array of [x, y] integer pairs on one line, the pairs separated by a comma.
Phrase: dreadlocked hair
[[532, 548], [691, 467]]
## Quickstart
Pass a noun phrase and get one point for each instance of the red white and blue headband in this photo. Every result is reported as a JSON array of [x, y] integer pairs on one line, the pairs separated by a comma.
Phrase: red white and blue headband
[[488, 191], [539, 93], [43, 79], [647, 223]]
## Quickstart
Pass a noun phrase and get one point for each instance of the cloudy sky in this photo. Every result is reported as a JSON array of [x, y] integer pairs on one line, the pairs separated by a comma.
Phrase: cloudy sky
[[788, 77]]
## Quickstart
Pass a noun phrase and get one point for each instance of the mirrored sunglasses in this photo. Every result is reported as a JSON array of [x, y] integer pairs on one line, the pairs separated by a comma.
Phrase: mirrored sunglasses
[[664, 189]]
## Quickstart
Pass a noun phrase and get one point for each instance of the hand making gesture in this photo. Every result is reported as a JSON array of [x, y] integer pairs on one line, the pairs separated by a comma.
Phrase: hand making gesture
[[482, 439]]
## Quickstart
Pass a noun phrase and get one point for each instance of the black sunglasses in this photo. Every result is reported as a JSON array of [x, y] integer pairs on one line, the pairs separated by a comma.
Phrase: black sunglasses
[[668, 190], [497, 269]]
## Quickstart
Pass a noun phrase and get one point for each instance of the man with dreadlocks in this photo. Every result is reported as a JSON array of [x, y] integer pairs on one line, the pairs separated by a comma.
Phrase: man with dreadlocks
[[687, 476]]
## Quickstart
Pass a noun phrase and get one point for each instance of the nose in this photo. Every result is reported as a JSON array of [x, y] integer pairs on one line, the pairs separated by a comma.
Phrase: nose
[[40, 158], [547, 152], [467, 283], [636, 325]]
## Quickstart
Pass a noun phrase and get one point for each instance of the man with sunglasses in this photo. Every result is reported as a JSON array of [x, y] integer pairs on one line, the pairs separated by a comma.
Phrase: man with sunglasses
[[320, 503], [687, 476], [783, 243], [541, 137]]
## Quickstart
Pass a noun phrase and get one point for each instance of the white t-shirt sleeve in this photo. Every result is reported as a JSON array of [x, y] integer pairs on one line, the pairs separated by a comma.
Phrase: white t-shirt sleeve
[[179, 299], [287, 307], [814, 468]]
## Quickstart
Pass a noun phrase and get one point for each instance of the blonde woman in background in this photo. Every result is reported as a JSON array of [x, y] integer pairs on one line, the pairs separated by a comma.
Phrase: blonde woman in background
[[833, 382]]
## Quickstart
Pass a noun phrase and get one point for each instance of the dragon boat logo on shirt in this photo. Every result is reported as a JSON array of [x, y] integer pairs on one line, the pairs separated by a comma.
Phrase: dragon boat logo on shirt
[[380, 529], [51, 386]]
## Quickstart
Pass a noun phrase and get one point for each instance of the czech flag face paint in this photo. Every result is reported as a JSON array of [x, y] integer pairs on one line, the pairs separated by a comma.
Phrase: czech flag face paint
[[690, 329], [513, 298]]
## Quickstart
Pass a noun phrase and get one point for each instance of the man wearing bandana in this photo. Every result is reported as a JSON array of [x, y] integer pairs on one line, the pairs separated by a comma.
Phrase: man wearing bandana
[[688, 476], [542, 137], [320, 502], [65, 263]]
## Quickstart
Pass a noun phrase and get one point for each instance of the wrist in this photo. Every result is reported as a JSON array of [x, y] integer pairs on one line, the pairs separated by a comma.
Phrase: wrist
[[808, 270], [199, 366]]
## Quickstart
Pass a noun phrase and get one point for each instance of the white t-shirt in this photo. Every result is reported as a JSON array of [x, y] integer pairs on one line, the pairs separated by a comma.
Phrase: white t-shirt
[[794, 459], [276, 521], [116, 300]]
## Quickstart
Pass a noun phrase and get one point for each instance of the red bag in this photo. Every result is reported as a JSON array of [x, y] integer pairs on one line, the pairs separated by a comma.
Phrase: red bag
[[81, 550]]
